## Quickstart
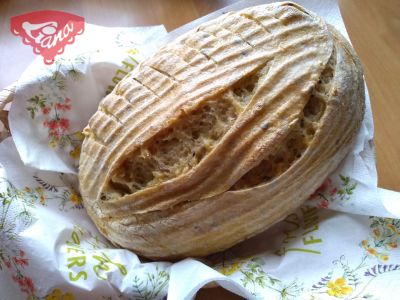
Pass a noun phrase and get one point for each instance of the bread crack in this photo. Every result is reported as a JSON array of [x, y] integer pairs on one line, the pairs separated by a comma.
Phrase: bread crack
[[299, 138], [254, 20], [177, 149], [148, 88], [162, 72]]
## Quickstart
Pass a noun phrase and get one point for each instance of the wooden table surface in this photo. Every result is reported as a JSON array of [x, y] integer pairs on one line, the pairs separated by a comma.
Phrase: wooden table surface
[[373, 26]]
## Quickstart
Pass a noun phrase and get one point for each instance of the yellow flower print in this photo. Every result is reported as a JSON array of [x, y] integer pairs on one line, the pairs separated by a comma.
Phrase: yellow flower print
[[377, 233], [27, 189], [55, 295], [394, 229], [231, 268], [74, 198], [42, 199], [75, 153], [58, 295], [372, 251], [383, 238], [53, 143], [339, 288], [132, 51], [384, 257]]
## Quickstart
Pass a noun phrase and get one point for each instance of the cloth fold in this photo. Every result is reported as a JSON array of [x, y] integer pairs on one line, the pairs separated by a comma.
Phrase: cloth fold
[[342, 243]]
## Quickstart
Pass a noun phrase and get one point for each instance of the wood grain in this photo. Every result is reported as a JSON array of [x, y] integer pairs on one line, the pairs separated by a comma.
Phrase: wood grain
[[373, 27]]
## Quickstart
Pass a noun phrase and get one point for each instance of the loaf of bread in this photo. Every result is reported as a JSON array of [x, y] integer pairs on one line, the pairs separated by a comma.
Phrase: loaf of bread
[[222, 133]]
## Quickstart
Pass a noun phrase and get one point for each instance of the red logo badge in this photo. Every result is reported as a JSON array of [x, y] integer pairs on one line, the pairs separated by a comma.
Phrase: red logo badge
[[47, 31]]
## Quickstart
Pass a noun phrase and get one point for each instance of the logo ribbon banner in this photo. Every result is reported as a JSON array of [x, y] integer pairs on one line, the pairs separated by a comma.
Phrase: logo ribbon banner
[[47, 31]]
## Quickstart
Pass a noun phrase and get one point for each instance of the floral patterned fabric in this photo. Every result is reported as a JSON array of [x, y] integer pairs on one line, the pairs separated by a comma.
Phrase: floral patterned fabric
[[343, 243], [53, 104]]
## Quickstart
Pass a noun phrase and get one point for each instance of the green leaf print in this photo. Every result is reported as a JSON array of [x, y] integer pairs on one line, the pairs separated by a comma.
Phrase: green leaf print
[[150, 287]]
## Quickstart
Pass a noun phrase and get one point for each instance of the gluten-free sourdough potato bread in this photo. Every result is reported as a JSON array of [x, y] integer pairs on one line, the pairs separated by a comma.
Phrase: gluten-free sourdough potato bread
[[222, 133]]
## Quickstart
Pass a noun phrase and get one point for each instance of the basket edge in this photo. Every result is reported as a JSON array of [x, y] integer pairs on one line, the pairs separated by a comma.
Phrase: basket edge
[[6, 97]]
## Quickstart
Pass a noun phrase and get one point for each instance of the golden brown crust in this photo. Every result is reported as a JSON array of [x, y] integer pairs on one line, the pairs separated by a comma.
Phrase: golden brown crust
[[201, 209]]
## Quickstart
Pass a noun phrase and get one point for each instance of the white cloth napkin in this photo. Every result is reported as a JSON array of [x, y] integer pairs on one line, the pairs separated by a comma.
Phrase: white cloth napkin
[[343, 243]]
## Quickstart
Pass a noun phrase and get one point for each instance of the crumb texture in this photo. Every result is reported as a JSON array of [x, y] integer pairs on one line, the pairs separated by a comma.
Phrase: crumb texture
[[179, 148]]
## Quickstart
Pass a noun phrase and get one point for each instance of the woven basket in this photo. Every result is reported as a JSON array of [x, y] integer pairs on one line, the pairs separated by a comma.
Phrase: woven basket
[[6, 96]]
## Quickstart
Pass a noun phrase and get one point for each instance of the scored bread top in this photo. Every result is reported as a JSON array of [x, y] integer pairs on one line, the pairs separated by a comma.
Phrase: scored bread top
[[231, 110]]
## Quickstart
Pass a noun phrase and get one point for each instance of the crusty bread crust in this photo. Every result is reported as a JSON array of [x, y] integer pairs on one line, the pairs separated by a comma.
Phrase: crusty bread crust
[[222, 133]]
